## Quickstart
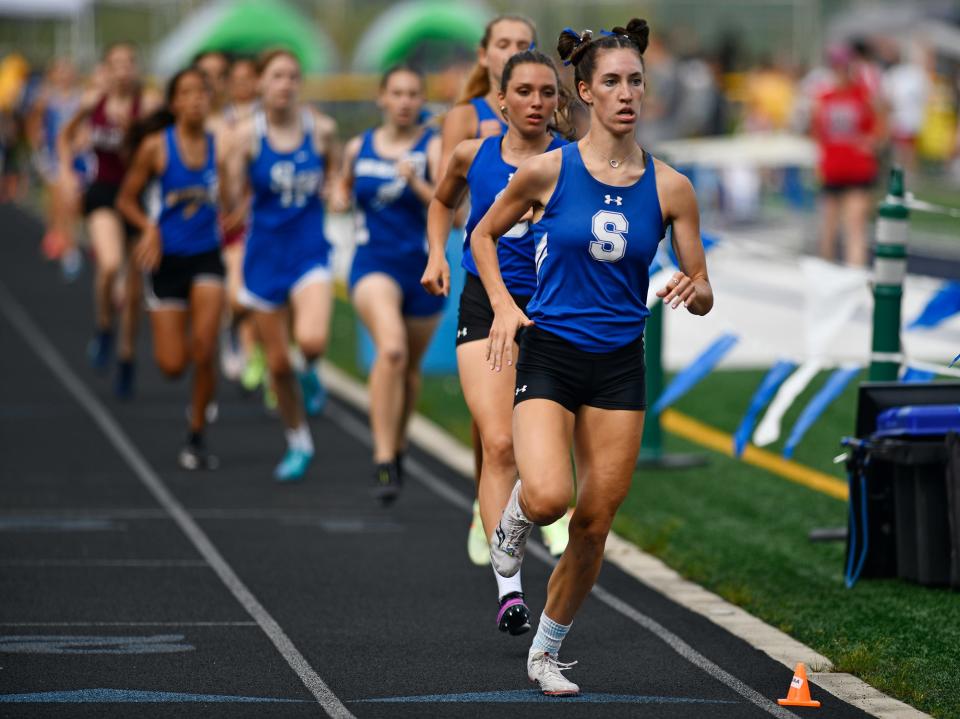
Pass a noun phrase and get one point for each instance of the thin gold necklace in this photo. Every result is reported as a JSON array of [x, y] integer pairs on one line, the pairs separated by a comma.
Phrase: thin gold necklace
[[614, 163]]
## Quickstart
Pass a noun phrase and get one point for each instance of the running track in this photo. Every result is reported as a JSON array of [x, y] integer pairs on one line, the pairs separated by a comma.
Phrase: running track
[[124, 579]]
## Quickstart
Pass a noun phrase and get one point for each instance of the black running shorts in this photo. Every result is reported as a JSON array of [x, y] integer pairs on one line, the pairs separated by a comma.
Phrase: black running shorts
[[550, 367], [475, 316], [169, 287]]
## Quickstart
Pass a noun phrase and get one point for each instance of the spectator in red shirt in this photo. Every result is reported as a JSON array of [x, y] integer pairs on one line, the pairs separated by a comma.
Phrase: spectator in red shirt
[[848, 130]]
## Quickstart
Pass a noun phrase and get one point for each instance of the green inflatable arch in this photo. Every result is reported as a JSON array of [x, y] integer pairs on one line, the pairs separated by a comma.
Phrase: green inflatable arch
[[246, 27], [401, 28]]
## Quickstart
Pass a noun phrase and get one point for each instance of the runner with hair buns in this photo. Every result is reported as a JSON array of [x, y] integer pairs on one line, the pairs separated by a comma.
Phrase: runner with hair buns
[[601, 207], [180, 248], [110, 113], [283, 155], [389, 171], [529, 97]]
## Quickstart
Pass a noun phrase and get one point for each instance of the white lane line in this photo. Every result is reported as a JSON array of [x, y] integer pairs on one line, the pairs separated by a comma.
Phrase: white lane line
[[129, 624], [50, 356], [106, 563], [358, 429]]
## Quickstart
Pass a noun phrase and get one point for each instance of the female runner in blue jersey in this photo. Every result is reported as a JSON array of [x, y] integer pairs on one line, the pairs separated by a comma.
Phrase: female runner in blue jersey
[[283, 154], [601, 207], [389, 171], [181, 247], [477, 114], [529, 97]]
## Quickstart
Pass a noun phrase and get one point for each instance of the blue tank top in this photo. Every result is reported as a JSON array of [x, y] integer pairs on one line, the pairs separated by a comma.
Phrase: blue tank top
[[595, 246], [487, 178], [286, 186], [188, 202], [485, 112], [391, 220]]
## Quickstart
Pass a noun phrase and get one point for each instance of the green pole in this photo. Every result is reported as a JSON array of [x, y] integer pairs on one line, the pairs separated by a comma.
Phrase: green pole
[[651, 445], [889, 269]]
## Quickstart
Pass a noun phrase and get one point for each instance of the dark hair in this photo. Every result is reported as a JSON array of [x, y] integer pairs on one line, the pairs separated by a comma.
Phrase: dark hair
[[400, 67], [163, 117], [478, 84], [581, 50], [561, 118], [237, 60], [268, 56]]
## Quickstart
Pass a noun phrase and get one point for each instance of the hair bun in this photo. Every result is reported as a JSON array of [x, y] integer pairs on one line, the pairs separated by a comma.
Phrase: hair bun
[[571, 45], [637, 30]]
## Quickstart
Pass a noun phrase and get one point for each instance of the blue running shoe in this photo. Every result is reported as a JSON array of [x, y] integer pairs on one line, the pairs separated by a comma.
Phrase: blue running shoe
[[314, 393], [100, 350], [123, 384], [293, 466]]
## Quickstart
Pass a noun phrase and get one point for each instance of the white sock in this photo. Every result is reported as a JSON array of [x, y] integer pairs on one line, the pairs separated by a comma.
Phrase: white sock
[[549, 636], [297, 360], [299, 438], [506, 585]]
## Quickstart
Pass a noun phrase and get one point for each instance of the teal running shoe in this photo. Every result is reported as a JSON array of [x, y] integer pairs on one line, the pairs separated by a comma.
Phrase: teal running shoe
[[314, 393], [293, 466]]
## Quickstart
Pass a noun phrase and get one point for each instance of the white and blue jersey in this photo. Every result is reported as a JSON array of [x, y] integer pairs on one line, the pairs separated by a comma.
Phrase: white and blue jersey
[[391, 223], [487, 178], [188, 202], [595, 246], [286, 247]]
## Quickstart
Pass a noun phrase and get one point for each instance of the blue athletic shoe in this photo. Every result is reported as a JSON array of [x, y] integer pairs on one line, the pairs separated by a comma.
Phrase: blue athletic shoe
[[314, 393], [100, 350], [293, 466], [123, 384]]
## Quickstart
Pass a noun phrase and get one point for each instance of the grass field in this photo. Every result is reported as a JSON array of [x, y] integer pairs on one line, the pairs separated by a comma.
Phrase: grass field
[[742, 532]]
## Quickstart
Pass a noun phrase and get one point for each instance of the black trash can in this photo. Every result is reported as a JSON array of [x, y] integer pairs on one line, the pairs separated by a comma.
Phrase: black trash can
[[905, 498]]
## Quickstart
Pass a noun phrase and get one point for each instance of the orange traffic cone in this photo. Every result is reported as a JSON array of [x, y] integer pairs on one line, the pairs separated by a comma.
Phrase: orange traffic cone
[[799, 694]]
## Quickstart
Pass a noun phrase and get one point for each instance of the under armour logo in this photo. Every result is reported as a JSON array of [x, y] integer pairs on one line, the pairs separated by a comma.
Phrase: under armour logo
[[607, 200], [519, 390], [462, 333]]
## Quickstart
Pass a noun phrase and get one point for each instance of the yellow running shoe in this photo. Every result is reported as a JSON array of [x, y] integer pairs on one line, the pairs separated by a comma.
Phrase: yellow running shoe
[[478, 546], [557, 535]]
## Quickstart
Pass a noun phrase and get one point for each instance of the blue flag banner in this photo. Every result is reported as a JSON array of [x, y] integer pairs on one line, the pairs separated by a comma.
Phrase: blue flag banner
[[912, 374], [696, 371], [945, 303], [834, 385], [768, 387]]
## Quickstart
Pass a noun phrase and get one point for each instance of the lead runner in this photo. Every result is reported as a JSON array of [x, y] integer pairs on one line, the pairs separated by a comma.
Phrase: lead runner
[[601, 207]]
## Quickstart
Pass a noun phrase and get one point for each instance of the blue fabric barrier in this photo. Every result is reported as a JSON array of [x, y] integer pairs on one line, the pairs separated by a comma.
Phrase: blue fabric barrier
[[945, 303], [696, 371], [768, 387], [834, 385], [912, 374]]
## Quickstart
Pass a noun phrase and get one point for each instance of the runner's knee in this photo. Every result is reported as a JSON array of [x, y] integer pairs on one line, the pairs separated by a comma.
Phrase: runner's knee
[[545, 502], [498, 449]]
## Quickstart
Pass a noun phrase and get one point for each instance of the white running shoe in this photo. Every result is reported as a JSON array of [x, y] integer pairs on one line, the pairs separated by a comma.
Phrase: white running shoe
[[547, 671], [509, 540], [478, 547], [557, 535]]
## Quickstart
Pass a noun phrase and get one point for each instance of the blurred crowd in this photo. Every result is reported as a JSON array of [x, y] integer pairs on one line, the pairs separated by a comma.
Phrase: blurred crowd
[[871, 102]]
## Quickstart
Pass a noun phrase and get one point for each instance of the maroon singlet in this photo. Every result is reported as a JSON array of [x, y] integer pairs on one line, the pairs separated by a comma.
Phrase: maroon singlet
[[108, 141]]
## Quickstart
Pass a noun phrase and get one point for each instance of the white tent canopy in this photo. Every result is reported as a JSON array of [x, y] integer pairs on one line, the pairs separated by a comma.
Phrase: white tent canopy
[[42, 8]]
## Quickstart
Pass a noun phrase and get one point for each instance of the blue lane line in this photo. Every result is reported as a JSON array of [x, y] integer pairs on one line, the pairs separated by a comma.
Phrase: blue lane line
[[131, 696], [534, 695]]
